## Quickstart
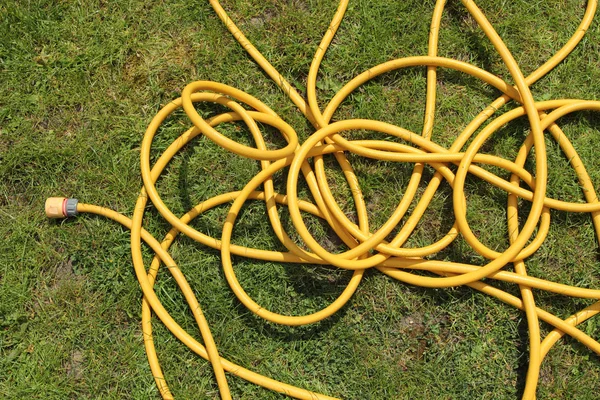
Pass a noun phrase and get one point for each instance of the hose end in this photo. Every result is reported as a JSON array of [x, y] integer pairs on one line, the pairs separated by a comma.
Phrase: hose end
[[61, 207]]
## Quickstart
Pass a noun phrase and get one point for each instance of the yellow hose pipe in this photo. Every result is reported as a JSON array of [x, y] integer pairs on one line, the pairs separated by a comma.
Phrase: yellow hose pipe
[[367, 248]]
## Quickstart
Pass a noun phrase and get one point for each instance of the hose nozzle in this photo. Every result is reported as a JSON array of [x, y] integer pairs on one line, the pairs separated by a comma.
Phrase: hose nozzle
[[61, 207]]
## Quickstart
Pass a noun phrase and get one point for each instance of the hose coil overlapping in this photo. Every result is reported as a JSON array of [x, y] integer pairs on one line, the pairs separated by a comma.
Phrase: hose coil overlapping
[[369, 249]]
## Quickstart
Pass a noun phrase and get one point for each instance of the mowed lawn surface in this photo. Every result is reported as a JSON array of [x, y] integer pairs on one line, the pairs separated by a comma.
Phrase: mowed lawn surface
[[80, 81]]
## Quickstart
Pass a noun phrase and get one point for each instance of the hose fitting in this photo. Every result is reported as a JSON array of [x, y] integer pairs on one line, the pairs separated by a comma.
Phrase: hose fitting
[[61, 207]]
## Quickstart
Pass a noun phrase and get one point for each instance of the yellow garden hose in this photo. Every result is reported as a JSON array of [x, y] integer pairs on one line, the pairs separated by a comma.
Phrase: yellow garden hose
[[367, 248]]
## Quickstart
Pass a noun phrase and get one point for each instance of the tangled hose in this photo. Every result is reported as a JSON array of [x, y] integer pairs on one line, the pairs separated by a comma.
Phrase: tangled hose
[[368, 249]]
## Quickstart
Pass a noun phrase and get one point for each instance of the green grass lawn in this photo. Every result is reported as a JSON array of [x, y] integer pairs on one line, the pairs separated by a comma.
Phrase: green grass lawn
[[80, 81]]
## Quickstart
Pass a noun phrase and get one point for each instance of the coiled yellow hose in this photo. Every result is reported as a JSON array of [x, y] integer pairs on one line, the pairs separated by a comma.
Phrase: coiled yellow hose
[[368, 249]]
